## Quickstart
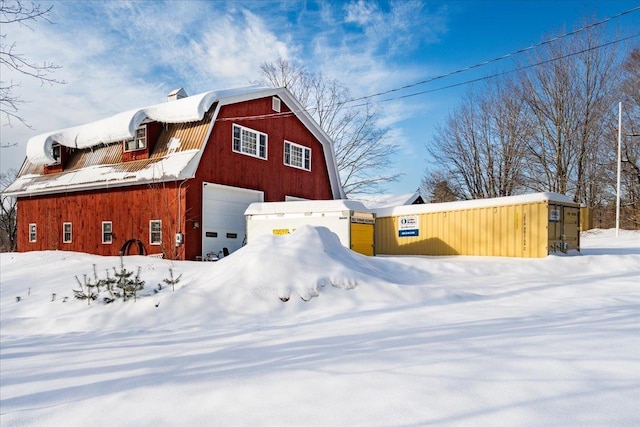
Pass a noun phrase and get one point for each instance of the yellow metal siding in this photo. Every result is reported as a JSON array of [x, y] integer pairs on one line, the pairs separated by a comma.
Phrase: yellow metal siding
[[586, 218], [514, 231], [362, 238], [571, 228]]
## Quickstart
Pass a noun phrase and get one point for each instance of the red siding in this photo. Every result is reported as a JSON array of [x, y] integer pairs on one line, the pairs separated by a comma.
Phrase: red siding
[[221, 165], [129, 209]]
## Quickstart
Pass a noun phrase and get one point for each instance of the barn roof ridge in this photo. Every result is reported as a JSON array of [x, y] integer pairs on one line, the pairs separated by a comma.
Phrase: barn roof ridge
[[122, 126]]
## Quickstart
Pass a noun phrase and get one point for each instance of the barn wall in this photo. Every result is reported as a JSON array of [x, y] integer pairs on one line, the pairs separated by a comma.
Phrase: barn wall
[[129, 209], [221, 165]]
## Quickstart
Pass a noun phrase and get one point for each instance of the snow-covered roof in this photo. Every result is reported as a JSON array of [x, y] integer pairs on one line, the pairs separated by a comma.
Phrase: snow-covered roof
[[472, 204], [96, 135], [376, 201], [270, 208], [122, 126], [176, 167]]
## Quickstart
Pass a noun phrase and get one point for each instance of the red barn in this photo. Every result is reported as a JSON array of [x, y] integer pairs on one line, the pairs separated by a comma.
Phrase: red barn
[[173, 178]]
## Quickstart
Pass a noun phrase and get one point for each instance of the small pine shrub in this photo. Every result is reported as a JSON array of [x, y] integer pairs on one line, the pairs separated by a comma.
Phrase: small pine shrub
[[128, 287], [171, 281], [120, 285], [88, 290]]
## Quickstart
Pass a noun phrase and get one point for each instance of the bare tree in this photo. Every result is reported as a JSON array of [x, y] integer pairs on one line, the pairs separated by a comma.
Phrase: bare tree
[[8, 226], [569, 98], [630, 98], [363, 149], [15, 12], [481, 145], [438, 188]]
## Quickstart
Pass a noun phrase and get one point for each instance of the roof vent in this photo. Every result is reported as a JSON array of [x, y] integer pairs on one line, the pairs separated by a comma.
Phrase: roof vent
[[177, 94]]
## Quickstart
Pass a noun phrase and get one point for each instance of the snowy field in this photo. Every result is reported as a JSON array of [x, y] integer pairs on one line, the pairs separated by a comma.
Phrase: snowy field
[[386, 341]]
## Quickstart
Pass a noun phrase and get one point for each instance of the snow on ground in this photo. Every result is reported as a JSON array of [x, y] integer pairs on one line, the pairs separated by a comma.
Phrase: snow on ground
[[384, 341]]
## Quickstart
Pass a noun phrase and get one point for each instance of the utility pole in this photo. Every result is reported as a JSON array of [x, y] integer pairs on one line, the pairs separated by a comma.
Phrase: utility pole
[[619, 167]]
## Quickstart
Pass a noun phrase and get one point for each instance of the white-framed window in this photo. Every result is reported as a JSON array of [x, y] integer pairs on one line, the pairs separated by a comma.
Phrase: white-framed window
[[297, 156], [56, 153], [107, 232], [139, 141], [155, 232], [250, 142], [33, 233], [66, 232]]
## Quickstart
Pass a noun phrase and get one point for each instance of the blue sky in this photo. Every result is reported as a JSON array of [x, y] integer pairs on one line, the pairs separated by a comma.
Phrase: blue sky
[[120, 55]]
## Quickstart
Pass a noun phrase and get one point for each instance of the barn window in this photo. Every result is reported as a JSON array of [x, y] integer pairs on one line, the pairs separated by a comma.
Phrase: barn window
[[250, 142], [155, 232], [66, 232], [33, 232], [56, 151], [297, 156], [107, 232], [139, 142]]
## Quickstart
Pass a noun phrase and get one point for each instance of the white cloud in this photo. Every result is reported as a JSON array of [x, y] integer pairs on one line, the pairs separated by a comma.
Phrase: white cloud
[[121, 55], [237, 44], [407, 24], [361, 12]]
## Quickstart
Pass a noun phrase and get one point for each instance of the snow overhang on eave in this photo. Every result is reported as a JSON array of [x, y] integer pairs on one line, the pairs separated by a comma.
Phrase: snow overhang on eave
[[175, 167], [101, 185], [119, 127], [80, 187]]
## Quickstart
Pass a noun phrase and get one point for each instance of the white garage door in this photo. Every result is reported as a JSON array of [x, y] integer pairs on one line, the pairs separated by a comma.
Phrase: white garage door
[[223, 221]]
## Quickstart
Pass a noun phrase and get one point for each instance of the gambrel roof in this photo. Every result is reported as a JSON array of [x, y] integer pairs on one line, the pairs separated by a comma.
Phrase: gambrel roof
[[189, 121]]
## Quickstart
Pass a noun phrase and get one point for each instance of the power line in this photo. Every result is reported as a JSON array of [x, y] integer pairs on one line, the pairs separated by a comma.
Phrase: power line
[[507, 72], [442, 76], [290, 113], [499, 58]]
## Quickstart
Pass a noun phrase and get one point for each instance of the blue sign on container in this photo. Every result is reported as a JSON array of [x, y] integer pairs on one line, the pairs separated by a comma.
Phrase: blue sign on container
[[407, 233]]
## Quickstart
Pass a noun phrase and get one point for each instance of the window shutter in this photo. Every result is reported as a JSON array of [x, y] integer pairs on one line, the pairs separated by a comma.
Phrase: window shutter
[[263, 146], [236, 138], [307, 159], [287, 153]]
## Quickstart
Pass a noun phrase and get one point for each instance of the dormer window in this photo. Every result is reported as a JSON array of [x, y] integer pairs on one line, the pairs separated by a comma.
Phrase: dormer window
[[139, 142], [59, 157], [56, 153]]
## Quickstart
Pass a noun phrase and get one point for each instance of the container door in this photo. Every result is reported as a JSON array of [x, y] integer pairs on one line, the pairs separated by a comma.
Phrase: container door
[[555, 228], [362, 237], [571, 229]]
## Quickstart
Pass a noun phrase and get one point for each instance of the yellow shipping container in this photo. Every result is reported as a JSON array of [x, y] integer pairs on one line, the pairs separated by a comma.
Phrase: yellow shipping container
[[586, 218], [529, 226]]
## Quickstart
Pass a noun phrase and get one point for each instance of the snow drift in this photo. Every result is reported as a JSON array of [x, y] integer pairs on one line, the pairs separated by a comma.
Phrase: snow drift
[[361, 341]]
